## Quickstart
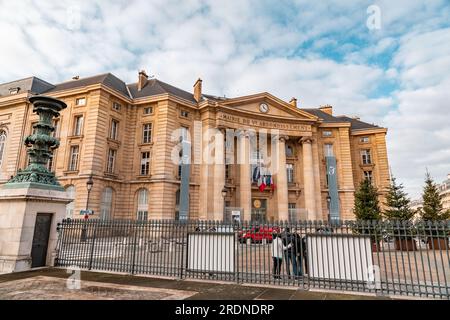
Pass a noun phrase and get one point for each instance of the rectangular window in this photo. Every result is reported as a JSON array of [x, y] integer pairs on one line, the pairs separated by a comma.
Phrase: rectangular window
[[368, 175], [145, 163], [116, 106], [184, 134], [14, 90], [290, 172], [327, 133], [55, 132], [292, 212], [51, 162], [78, 126], [80, 102], [364, 140], [114, 130], [289, 151], [147, 133], [111, 160], [33, 129], [366, 157], [328, 150], [148, 110], [227, 171], [184, 114], [73, 159]]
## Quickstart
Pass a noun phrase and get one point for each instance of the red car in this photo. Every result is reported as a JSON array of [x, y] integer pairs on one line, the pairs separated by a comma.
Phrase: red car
[[257, 234]]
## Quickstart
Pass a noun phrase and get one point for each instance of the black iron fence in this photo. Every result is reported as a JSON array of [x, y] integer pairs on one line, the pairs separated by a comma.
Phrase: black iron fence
[[386, 258]]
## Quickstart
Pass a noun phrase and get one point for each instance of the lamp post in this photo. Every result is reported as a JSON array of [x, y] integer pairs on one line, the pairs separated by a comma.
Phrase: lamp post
[[89, 185], [224, 194]]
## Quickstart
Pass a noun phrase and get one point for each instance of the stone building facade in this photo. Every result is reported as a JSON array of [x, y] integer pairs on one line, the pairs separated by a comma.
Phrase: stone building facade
[[126, 136], [444, 191]]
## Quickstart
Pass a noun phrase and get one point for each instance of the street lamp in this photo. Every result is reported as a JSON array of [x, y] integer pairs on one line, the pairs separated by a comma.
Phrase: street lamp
[[224, 194], [89, 185]]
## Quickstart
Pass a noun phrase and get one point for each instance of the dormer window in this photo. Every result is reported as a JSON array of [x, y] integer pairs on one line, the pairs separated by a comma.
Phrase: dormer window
[[14, 90]]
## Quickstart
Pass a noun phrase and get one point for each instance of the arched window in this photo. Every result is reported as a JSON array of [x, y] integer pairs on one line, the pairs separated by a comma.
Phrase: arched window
[[106, 205], [142, 204], [70, 207], [2, 145]]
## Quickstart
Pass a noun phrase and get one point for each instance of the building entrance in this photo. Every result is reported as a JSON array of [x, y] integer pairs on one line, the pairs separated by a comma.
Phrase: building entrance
[[259, 210]]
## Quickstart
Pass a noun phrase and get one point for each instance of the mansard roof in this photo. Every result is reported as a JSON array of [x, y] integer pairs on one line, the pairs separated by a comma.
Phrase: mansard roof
[[156, 87], [153, 87], [355, 124], [33, 85], [107, 79]]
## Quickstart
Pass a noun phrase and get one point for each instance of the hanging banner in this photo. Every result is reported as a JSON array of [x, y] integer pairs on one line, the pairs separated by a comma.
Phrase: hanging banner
[[185, 174], [333, 188]]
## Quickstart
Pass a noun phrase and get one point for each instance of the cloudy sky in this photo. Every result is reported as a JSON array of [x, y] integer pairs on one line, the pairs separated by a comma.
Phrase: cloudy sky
[[392, 71]]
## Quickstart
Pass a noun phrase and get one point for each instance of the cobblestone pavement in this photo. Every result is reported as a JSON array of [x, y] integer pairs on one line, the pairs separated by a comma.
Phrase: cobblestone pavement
[[55, 284]]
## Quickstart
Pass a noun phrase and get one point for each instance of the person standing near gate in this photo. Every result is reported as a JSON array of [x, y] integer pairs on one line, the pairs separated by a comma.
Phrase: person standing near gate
[[277, 254], [289, 252], [298, 253]]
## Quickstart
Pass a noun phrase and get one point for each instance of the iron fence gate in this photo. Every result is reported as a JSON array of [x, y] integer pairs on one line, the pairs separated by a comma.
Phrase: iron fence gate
[[386, 258]]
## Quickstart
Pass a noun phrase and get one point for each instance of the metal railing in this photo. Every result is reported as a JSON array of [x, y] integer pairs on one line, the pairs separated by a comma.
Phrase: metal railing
[[385, 258]]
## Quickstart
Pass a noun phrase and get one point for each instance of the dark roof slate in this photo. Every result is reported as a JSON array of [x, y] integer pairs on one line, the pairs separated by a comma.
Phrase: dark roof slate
[[108, 79], [354, 123], [322, 115], [156, 87], [358, 124], [31, 84]]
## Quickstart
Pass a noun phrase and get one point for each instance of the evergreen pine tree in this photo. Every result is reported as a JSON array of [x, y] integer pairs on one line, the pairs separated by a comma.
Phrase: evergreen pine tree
[[432, 209], [397, 203], [366, 202]]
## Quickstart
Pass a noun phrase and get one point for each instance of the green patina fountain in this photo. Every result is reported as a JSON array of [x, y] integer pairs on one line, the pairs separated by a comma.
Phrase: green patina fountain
[[40, 146]]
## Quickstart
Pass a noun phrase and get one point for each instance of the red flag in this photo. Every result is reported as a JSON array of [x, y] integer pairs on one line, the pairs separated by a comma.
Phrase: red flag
[[262, 186]]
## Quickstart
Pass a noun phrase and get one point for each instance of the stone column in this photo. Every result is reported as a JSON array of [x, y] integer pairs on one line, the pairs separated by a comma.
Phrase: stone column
[[308, 178], [219, 175], [282, 185], [245, 177]]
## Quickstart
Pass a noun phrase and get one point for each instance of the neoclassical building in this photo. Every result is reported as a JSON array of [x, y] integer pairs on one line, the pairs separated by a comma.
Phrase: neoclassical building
[[271, 159]]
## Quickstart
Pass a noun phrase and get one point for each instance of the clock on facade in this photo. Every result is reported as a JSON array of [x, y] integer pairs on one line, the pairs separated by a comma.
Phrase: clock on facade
[[263, 107]]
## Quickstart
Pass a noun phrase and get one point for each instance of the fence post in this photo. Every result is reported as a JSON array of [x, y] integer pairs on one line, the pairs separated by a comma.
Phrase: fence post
[[91, 256], [134, 246]]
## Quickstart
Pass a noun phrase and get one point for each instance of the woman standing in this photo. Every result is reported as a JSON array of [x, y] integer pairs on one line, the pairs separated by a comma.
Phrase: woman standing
[[277, 254]]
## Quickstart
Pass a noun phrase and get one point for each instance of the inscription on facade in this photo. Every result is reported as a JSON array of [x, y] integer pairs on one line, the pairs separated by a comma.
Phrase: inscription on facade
[[263, 123]]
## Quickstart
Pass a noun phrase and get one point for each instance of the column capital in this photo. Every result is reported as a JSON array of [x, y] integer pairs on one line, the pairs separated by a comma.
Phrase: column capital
[[306, 140], [244, 134], [283, 138], [222, 129]]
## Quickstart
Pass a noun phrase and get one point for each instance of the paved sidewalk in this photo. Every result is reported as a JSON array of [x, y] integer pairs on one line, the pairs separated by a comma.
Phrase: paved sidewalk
[[53, 283]]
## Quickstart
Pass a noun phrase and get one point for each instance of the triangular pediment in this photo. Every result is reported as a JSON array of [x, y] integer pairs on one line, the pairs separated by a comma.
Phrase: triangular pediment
[[275, 107]]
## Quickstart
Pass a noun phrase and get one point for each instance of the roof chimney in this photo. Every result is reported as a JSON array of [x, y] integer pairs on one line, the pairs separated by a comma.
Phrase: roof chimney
[[198, 90], [327, 109], [142, 80], [293, 102]]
